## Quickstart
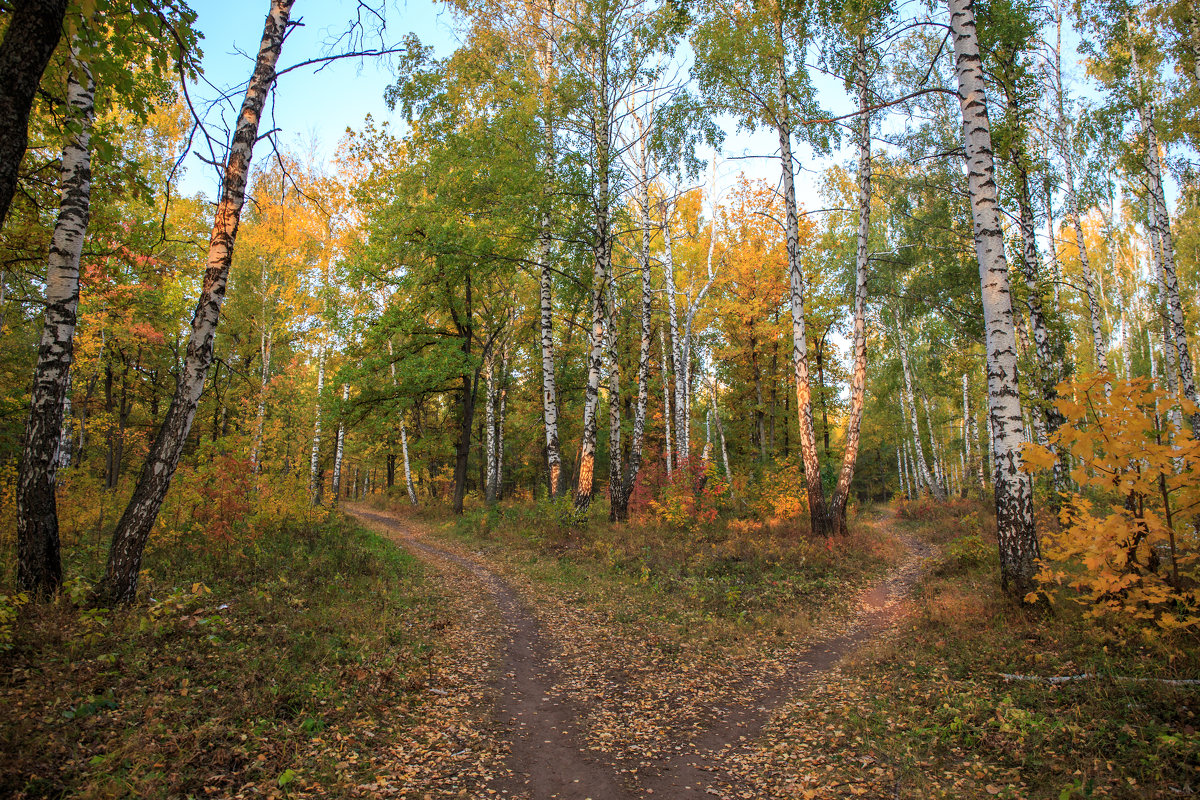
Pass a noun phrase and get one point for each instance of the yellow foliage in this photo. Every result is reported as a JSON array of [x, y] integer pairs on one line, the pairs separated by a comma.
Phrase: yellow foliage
[[1128, 543]]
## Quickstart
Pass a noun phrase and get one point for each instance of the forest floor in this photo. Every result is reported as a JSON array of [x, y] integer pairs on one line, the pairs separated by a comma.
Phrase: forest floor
[[589, 713], [505, 654]]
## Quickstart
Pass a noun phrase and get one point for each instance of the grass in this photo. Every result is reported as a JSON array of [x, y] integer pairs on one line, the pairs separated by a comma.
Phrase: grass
[[723, 579], [265, 667], [928, 715]]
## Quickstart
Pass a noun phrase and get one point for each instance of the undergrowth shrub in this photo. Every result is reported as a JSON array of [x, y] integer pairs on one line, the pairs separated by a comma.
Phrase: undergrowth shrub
[[1128, 547]]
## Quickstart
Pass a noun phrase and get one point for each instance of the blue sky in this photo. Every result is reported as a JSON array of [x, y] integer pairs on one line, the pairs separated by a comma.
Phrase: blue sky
[[313, 110]]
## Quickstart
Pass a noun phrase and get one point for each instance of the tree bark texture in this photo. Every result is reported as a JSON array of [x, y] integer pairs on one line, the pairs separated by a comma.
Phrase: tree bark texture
[[119, 583], [34, 30], [39, 566], [1017, 534]]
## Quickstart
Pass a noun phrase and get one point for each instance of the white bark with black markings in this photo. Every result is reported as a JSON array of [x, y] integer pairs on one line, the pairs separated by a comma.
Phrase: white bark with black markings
[[39, 565], [1017, 534]]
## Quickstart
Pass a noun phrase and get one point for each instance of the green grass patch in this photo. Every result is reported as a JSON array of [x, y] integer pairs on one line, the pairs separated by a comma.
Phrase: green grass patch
[[268, 666], [932, 705]]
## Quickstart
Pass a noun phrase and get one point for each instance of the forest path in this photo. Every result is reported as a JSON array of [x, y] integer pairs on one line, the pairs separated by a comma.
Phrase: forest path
[[702, 764], [548, 757]]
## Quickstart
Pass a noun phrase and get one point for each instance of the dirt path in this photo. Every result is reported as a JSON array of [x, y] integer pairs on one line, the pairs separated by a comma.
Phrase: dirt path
[[696, 771], [547, 758]]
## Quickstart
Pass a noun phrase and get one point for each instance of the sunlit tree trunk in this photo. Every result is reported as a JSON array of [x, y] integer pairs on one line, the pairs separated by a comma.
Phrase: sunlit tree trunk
[[602, 133], [119, 583], [808, 441], [858, 377], [1170, 353], [716, 416], [939, 469], [39, 566], [1017, 534], [501, 411], [408, 479]]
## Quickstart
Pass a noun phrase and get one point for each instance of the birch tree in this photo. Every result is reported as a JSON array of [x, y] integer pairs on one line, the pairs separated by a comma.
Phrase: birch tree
[[119, 583], [39, 566], [1017, 534]]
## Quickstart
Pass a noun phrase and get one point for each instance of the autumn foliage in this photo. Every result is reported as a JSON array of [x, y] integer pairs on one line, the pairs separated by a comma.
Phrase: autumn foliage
[[1127, 545]]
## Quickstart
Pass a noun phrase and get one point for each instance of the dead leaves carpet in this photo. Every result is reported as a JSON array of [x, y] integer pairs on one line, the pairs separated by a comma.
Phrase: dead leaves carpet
[[541, 698]]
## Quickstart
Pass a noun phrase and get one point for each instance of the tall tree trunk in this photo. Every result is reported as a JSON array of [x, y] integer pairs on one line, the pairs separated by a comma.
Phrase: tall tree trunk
[[1170, 353], [643, 372], [34, 30], [501, 410], [616, 478], [1048, 372], [1160, 220], [39, 566], [1017, 534], [808, 442], [489, 427], [314, 464], [119, 583], [666, 384], [340, 447], [261, 416], [858, 378], [601, 275], [939, 470], [549, 386], [682, 443], [925, 478], [716, 415]]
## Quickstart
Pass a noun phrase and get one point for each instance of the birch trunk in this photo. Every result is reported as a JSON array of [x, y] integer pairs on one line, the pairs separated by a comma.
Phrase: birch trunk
[[1170, 353], [666, 382], [808, 441], [1160, 220], [1017, 534], [925, 478], [119, 583], [314, 486], [643, 373], [900, 473], [682, 443], [260, 418], [1048, 372], [939, 469], [549, 387], [616, 479], [601, 272], [339, 449], [408, 479], [858, 380], [716, 415], [489, 426], [500, 414], [39, 565]]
